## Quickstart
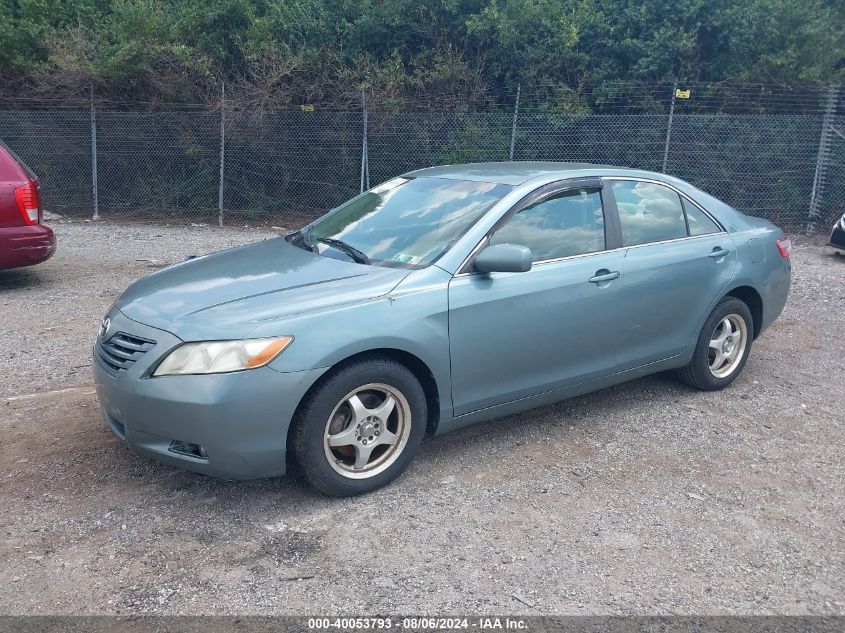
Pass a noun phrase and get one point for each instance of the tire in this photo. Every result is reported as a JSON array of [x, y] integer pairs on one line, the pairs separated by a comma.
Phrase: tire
[[700, 372], [372, 441]]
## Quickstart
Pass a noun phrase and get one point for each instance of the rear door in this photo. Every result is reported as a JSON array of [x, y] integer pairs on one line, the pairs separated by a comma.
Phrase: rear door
[[678, 260]]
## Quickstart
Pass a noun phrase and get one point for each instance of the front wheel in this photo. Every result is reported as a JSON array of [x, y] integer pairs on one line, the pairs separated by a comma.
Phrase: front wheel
[[360, 428], [722, 348]]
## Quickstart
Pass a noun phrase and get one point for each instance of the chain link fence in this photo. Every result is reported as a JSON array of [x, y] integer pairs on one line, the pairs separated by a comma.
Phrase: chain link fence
[[285, 168]]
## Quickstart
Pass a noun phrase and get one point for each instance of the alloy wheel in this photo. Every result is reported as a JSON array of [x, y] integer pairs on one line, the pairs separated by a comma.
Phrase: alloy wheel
[[367, 431], [727, 345]]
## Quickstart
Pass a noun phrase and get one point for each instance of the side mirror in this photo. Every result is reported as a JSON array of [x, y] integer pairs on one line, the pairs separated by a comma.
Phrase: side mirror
[[504, 258]]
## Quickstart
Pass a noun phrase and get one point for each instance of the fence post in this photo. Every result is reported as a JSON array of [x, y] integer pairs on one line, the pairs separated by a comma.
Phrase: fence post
[[822, 158], [94, 192], [515, 114], [222, 153], [365, 157], [669, 126]]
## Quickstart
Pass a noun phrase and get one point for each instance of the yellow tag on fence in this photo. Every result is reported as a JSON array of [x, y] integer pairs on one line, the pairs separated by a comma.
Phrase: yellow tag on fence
[[308, 107], [682, 94]]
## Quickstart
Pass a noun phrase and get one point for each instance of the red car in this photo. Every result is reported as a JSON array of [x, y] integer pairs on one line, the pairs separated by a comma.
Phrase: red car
[[23, 239]]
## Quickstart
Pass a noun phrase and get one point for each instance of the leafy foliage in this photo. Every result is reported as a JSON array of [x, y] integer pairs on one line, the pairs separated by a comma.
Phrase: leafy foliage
[[288, 51]]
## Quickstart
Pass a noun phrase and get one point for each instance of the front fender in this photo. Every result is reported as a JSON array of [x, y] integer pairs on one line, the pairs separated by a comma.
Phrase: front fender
[[412, 319]]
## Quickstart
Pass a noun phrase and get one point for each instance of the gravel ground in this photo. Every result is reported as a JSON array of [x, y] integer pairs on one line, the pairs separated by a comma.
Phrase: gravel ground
[[58, 305], [647, 498]]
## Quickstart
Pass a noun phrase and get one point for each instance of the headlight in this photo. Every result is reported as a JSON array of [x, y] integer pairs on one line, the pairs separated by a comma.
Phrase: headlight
[[214, 357]]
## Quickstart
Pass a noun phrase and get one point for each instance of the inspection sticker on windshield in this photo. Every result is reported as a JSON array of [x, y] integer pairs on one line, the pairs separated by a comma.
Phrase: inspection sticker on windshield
[[404, 258]]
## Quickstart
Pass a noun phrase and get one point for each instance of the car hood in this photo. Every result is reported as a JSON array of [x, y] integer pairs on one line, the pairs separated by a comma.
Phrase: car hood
[[227, 294]]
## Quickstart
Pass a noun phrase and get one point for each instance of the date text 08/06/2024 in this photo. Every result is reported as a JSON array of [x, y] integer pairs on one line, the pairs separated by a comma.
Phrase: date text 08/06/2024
[[418, 623]]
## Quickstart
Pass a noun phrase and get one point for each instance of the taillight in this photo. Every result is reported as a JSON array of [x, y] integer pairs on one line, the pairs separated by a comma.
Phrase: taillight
[[784, 246], [27, 199]]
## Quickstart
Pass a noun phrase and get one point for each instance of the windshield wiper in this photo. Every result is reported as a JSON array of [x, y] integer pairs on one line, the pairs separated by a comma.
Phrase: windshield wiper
[[350, 250]]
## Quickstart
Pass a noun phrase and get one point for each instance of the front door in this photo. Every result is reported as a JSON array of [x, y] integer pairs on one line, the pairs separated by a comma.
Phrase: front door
[[514, 335]]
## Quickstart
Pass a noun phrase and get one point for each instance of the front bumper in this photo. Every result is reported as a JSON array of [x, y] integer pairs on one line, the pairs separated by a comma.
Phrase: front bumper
[[25, 245], [240, 419]]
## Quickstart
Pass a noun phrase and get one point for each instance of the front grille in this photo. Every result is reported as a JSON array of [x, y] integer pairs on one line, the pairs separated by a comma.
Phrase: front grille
[[121, 351]]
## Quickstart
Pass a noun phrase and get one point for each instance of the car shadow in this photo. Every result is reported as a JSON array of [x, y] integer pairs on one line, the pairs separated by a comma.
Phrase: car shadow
[[17, 278], [584, 413]]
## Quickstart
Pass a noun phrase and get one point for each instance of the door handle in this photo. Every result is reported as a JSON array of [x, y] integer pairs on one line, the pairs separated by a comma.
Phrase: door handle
[[718, 253], [602, 276]]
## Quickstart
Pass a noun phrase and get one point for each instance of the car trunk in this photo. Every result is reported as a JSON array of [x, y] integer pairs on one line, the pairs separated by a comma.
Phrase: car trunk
[[20, 191]]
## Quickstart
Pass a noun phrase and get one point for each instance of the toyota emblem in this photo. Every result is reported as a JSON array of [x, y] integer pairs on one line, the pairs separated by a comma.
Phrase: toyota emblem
[[104, 327]]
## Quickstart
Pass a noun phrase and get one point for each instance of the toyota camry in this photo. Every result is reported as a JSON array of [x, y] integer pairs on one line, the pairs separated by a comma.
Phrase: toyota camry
[[441, 298]]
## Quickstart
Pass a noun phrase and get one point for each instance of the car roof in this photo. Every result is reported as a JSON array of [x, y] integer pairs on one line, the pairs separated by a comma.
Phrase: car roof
[[517, 172]]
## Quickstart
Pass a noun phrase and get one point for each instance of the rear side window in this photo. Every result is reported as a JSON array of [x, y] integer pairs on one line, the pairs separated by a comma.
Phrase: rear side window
[[648, 212], [566, 224], [699, 223]]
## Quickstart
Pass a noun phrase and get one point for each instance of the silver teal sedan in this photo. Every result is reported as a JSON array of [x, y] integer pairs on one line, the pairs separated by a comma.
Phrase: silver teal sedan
[[442, 298]]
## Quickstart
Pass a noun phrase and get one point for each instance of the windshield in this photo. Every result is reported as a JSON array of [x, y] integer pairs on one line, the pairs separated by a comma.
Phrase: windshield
[[403, 223]]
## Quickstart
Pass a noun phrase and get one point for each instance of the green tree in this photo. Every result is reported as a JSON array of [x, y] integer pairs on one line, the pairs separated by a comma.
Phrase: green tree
[[286, 50]]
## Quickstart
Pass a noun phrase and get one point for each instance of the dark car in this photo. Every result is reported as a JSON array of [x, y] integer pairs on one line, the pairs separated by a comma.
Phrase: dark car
[[837, 235], [24, 240]]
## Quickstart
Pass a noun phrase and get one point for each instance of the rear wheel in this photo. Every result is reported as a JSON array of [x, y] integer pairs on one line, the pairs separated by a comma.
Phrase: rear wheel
[[360, 428], [722, 348]]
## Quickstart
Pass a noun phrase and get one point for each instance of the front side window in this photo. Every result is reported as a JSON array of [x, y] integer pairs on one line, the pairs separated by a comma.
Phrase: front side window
[[566, 224], [403, 223], [648, 212]]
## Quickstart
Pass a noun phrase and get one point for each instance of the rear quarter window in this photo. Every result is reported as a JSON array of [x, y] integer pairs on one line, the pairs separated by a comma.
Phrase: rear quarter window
[[699, 222]]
